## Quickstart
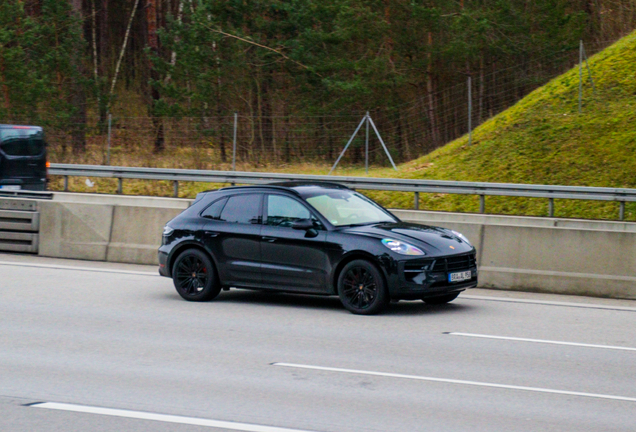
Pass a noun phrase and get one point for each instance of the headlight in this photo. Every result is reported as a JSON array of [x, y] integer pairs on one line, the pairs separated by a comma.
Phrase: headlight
[[401, 247], [167, 231], [463, 237]]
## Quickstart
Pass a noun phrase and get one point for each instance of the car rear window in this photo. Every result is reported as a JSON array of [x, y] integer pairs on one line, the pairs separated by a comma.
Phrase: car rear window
[[21, 142]]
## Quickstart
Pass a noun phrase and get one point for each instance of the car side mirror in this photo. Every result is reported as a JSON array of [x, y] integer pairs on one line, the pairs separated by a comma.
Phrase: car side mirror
[[303, 224]]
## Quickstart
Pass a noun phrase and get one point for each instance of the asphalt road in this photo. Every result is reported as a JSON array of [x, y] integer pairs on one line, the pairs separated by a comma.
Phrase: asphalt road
[[117, 343]]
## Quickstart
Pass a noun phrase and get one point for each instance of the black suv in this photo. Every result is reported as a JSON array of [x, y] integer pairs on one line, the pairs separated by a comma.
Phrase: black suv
[[312, 238], [23, 162]]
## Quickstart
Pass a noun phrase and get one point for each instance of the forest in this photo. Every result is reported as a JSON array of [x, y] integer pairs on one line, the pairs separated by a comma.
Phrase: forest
[[299, 74]]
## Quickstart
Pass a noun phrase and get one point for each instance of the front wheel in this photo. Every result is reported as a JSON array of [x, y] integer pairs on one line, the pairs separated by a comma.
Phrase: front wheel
[[194, 276], [441, 299], [361, 288]]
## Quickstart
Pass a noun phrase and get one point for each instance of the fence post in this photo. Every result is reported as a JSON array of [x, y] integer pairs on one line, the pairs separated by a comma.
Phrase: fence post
[[176, 188], [110, 118], [551, 207], [470, 111], [234, 142], [366, 147], [580, 74], [416, 202], [65, 183], [482, 204], [120, 185], [621, 213]]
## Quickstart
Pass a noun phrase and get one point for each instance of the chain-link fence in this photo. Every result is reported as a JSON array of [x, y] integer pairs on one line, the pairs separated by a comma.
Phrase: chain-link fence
[[427, 121]]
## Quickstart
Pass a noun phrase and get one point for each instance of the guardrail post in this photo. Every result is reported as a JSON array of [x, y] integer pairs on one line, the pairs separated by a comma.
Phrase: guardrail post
[[176, 188], [65, 183], [416, 202], [482, 204], [120, 185], [551, 207], [621, 212]]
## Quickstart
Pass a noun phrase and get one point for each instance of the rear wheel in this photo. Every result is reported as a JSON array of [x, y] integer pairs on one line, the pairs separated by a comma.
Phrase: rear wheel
[[361, 288], [441, 299], [194, 276]]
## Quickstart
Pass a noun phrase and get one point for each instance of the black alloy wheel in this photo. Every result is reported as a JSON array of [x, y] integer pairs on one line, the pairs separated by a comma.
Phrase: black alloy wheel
[[361, 288], [441, 299], [194, 276]]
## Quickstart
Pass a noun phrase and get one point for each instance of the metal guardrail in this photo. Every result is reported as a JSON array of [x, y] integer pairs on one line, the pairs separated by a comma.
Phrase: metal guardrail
[[366, 183]]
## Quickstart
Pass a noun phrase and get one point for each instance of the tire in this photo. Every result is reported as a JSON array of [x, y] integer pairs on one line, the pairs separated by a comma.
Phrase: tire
[[194, 276], [441, 299], [361, 288]]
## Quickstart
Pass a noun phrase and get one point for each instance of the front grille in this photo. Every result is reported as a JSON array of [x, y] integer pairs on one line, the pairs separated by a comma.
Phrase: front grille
[[454, 263]]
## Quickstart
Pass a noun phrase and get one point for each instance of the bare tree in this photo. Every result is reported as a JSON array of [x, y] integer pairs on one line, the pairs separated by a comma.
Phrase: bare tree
[[78, 97]]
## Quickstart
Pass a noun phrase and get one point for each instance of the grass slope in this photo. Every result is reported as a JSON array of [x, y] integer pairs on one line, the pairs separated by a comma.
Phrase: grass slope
[[544, 140]]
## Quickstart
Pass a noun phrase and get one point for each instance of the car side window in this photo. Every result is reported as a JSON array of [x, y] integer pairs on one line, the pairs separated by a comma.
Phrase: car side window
[[244, 208], [283, 211], [213, 211]]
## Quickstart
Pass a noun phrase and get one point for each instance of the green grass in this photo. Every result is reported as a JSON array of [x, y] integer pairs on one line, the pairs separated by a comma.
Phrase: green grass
[[544, 140], [541, 140]]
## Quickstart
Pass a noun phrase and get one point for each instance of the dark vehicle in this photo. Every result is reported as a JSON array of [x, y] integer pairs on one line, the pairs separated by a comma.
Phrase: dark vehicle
[[312, 238], [23, 162]]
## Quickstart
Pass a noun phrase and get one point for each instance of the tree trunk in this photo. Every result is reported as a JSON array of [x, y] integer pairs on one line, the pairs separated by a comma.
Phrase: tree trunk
[[430, 87], [219, 104], [78, 97], [153, 44], [104, 57]]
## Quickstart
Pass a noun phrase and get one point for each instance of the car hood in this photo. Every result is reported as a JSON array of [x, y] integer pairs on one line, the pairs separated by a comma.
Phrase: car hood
[[432, 240]]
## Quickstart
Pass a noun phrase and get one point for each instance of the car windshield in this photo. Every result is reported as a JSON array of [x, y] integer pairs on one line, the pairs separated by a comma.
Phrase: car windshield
[[346, 208]]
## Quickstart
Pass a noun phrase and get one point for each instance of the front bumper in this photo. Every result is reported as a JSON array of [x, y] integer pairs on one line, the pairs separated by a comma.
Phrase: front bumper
[[419, 279]]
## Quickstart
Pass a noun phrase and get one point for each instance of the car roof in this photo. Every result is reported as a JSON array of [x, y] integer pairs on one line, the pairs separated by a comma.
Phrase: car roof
[[295, 187]]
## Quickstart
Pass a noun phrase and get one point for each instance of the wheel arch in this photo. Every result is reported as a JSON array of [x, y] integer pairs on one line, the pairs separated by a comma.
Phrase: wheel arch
[[189, 245], [354, 255]]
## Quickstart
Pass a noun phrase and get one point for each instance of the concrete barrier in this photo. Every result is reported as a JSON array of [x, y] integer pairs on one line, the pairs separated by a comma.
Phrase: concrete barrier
[[74, 230], [580, 257], [105, 227], [136, 233], [565, 256]]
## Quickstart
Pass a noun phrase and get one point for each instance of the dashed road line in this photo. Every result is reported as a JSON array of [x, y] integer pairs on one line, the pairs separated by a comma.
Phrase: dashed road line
[[140, 415], [577, 344], [455, 381]]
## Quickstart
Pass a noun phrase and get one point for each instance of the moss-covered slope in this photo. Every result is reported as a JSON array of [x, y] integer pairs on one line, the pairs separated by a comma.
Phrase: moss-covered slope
[[544, 140]]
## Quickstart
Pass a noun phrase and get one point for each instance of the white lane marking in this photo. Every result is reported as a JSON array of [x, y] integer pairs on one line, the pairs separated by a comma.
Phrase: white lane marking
[[542, 341], [140, 415], [63, 267], [549, 303], [454, 381]]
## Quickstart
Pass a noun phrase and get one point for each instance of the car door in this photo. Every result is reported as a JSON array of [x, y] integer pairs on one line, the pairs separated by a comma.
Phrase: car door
[[292, 259], [232, 233]]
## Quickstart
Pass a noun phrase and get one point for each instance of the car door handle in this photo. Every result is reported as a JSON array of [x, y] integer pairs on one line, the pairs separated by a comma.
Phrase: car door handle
[[269, 239], [211, 233]]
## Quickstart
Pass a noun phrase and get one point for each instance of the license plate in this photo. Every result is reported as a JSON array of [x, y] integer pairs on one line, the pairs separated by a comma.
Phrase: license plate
[[11, 187], [459, 276]]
